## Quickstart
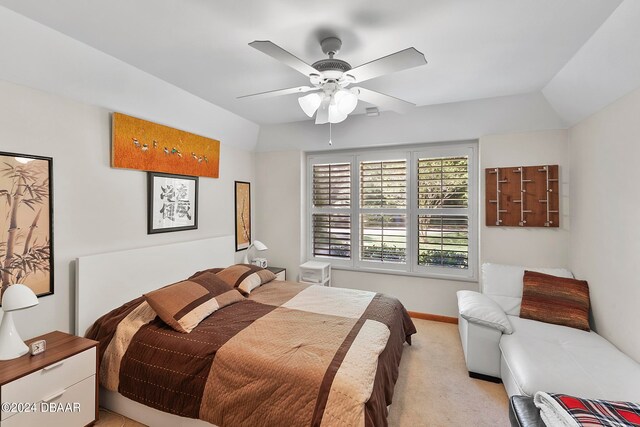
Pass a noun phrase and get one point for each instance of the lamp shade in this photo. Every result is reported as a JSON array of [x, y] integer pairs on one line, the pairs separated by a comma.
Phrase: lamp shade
[[310, 103], [346, 101], [335, 115], [18, 297], [259, 245]]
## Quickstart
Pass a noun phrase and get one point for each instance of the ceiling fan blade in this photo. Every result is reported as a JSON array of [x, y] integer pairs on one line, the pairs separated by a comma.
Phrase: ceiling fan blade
[[276, 52], [322, 115], [398, 61], [384, 102], [280, 92]]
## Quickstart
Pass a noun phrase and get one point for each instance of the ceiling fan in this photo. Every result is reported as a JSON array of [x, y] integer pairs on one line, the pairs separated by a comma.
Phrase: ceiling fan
[[330, 99]]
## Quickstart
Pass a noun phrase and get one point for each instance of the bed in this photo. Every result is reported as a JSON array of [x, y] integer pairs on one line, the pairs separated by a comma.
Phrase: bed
[[288, 354]]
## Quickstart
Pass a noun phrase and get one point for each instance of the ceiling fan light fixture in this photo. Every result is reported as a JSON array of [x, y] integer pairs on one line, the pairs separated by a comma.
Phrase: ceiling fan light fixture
[[335, 115], [310, 103], [346, 101]]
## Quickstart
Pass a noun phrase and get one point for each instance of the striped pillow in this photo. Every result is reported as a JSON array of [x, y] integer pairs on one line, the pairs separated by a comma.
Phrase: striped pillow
[[246, 277], [185, 304], [556, 300]]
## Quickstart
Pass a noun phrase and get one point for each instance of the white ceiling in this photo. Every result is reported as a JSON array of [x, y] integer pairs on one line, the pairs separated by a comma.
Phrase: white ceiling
[[475, 48]]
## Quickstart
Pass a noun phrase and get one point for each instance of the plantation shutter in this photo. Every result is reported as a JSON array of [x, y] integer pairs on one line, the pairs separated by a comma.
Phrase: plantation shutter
[[331, 203], [383, 211], [443, 212]]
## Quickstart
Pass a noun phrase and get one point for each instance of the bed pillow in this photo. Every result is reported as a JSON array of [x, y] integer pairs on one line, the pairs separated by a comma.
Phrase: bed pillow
[[246, 277], [557, 300], [209, 270], [185, 304]]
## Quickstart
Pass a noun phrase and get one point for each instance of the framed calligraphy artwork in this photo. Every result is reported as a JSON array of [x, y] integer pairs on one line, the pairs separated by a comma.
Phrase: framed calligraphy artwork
[[172, 203]]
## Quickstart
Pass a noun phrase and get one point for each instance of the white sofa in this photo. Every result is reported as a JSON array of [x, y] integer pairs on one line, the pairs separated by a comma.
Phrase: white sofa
[[530, 356]]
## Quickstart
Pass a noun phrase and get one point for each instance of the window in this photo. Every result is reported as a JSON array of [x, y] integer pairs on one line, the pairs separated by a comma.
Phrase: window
[[383, 211], [411, 211], [331, 218], [443, 205]]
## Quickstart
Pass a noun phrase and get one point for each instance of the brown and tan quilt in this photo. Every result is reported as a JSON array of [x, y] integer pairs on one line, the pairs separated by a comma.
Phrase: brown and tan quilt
[[289, 355]]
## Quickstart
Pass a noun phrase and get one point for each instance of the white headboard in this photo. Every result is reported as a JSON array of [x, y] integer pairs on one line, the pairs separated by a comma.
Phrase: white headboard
[[106, 281]]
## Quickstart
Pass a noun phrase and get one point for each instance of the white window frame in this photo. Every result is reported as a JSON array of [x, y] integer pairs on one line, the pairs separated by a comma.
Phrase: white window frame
[[411, 154], [357, 210], [471, 211], [335, 262]]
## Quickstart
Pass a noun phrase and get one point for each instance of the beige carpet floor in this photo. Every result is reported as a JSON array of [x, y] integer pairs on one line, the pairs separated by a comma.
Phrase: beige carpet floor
[[433, 389], [111, 419]]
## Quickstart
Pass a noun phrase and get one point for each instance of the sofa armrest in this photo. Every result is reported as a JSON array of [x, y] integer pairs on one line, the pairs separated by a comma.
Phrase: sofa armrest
[[479, 308]]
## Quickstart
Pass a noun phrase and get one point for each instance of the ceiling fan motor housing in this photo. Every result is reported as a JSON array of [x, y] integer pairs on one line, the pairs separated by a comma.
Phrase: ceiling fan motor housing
[[331, 45], [331, 68], [331, 64]]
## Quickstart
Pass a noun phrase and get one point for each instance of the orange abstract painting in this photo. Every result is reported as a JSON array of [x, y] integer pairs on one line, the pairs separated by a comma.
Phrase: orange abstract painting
[[139, 144]]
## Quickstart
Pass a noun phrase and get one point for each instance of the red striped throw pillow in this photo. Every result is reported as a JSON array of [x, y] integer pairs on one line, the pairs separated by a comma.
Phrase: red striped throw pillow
[[556, 300]]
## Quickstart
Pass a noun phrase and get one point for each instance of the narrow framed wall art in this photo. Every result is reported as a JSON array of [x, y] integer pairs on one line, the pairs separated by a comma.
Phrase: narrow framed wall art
[[26, 219], [243, 214]]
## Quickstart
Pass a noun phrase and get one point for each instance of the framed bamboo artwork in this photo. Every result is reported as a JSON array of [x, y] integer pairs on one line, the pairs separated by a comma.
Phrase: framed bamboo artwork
[[143, 145], [26, 218], [243, 215]]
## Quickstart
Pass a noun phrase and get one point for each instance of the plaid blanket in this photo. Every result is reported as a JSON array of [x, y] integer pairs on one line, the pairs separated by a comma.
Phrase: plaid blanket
[[563, 410]]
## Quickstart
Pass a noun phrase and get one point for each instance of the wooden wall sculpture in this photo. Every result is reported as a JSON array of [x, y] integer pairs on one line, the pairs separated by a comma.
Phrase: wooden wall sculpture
[[522, 196]]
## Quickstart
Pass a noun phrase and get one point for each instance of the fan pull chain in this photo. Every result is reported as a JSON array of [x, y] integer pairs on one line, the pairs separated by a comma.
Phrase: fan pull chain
[[330, 143]]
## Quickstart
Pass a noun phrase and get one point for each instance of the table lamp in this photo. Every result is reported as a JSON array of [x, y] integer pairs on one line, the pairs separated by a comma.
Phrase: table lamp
[[256, 244], [16, 297]]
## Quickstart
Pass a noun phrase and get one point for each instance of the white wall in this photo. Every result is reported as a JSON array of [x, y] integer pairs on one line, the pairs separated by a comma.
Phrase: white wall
[[280, 207], [281, 202], [532, 247], [605, 235], [434, 123], [97, 208]]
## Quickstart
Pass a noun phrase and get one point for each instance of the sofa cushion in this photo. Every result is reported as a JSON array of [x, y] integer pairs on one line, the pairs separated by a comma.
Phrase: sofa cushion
[[556, 300], [503, 283], [558, 359], [479, 308]]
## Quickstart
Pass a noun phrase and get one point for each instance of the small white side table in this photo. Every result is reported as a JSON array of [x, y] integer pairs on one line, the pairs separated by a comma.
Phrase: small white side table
[[316, 273]]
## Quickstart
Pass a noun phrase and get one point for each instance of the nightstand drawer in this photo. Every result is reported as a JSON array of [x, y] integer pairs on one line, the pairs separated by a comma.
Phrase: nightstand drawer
[[57, 412], [51, 379]]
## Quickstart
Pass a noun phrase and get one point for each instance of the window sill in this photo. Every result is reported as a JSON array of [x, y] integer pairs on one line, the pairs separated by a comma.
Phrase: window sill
[[404, 273]]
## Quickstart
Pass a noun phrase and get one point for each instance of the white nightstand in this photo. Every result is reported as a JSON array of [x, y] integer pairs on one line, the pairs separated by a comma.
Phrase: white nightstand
[[280, 272], [55, 388], [316, 273]]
